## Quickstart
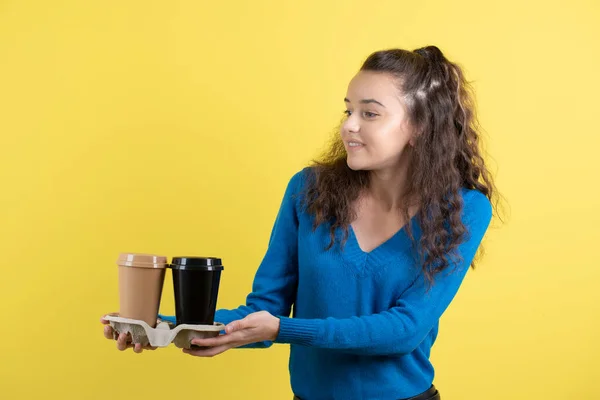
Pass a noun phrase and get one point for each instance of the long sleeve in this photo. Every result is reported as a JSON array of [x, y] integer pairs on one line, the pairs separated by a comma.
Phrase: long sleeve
[[275, 282], [403, 327]]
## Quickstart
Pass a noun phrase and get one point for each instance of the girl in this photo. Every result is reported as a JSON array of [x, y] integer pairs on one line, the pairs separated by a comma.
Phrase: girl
[[372, 242]]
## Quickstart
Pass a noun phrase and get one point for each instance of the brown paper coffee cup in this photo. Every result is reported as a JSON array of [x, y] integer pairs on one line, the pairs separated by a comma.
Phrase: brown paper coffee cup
[[141, 278]]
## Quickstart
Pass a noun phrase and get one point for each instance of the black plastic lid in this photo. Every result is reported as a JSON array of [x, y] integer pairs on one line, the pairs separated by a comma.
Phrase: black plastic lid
[[197, 263]]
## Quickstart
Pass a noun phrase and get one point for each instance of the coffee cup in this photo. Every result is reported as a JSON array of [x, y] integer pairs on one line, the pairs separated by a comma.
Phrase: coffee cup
[[141, 279], [196, 287]]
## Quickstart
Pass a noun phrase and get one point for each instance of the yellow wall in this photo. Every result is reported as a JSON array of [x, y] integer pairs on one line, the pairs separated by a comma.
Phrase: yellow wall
[[173, 127]]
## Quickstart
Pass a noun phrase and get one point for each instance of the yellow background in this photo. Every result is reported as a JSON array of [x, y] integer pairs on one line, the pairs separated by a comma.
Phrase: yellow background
[[173, 127]]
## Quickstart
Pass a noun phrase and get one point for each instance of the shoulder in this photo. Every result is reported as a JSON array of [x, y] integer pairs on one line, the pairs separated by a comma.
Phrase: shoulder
[[296, 186], [477, 208], [299, 179], [475, 200]]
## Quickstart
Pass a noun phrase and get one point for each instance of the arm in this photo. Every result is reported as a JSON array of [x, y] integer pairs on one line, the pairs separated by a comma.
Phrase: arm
[[274, 286], [402, 328]]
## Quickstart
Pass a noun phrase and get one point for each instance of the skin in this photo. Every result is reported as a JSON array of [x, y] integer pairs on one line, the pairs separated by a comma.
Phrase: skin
[[377, 120], [256, 327]]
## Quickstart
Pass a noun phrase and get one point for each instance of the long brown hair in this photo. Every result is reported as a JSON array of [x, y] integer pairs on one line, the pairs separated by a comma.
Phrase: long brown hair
[[446, 157]]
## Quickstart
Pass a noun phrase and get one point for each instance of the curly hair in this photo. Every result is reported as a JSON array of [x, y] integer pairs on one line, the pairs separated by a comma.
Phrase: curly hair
[[446, 157]]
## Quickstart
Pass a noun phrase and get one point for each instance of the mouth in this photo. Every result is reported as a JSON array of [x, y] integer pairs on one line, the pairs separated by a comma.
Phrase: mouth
[[353, 144]]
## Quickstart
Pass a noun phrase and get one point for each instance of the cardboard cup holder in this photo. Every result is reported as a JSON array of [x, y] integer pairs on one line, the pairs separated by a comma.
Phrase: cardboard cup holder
[[165, 332]]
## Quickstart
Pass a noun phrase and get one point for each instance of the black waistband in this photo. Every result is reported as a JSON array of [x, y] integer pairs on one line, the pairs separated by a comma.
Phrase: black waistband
[[429, 394]]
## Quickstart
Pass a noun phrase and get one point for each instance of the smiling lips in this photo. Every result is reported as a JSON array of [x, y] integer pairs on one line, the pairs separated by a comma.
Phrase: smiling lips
[[354, 145]]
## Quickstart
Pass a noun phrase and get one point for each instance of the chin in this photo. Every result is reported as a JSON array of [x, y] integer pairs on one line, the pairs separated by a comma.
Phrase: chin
[[356, 166]]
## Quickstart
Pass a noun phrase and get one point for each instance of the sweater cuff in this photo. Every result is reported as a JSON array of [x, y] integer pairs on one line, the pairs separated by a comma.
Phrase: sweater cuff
[[297, 331]]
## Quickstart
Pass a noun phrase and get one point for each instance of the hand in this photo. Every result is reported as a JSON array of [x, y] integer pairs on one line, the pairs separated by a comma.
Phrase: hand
[[124, 339], [256, 327]]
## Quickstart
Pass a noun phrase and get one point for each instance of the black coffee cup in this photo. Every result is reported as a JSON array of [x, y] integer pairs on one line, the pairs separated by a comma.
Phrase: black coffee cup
[[196, 288]]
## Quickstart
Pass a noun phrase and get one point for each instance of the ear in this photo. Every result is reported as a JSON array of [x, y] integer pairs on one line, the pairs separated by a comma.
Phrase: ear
[[414, 133], [413, 140]]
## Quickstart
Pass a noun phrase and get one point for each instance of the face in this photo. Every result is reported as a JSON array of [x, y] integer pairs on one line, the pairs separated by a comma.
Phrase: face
[[376, 131]]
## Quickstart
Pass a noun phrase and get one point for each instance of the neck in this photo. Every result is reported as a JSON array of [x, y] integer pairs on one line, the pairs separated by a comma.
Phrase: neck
[[388, 186]]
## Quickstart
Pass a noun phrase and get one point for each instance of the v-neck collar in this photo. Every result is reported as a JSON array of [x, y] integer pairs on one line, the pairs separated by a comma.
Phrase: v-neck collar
[[381, 254]]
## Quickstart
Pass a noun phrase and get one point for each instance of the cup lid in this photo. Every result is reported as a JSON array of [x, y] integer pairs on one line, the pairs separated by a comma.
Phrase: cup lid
[[197, 263], [142, 260]]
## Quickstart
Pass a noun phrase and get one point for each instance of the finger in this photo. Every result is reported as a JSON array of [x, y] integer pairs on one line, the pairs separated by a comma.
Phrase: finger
[[108, 332], [122, 341], [128, 345], [219, 340], [105, 321], [211, 352], [137, 348], [236, 326]]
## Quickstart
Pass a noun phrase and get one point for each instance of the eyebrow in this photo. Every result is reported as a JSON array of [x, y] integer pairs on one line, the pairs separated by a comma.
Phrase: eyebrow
[[366, 101]]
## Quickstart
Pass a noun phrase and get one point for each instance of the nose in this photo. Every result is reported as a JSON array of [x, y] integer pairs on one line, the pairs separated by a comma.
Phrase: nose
[[351, 125]]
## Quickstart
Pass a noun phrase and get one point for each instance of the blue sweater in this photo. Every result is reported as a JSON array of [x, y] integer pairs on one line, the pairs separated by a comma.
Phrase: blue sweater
[[363, 323]]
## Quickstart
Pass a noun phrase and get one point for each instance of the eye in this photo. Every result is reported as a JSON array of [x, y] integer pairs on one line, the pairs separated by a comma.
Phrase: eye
[[366, 114]]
